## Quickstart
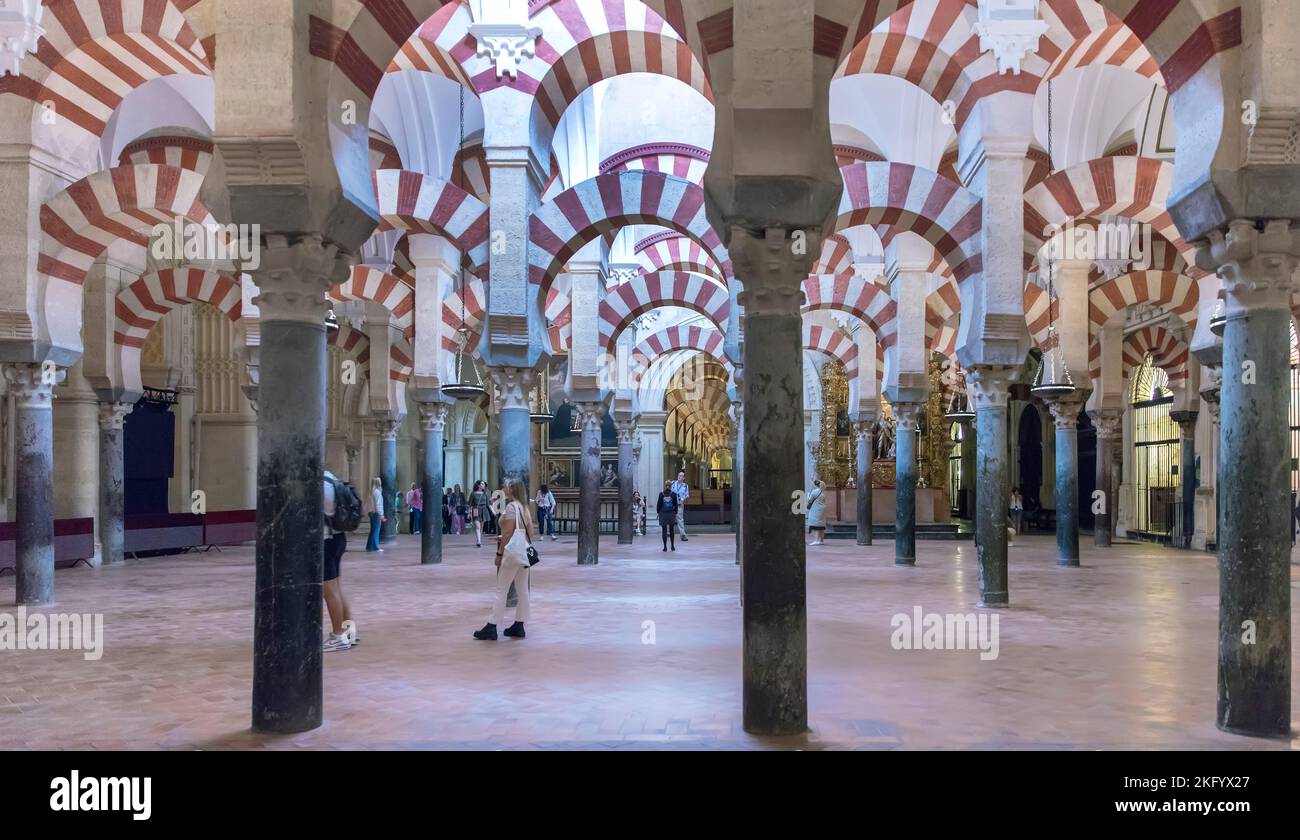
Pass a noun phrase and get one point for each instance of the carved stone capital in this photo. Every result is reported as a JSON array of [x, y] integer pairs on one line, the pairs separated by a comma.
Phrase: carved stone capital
[[907, 415], [1010, 31], [112, 415], [863, 431], [1108, 422], [1186, 421], [989, 386], [626, 432], [295, 277], [512, 386], [1257, 266], [591, 415], [433, 417], [386, 427], [506, 44], [20, 32], [1065, 413], [772, 268], [32, 385]]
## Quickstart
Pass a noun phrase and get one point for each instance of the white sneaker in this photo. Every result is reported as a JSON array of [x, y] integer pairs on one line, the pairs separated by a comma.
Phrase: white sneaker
[[350, 633], [553, 537], [333, 642]]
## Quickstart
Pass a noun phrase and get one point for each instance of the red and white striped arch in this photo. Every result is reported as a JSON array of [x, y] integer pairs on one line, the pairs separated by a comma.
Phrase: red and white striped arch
[[472, 167], [125, 202], [1115, 45], [627, 301], [475, 307], [602, 205], [909, 198], [414, 201], [836, 255], [706, 340], [182, 152], [1168, 352], [942, 308], [383, 288], [586, 41], [93, 54], [833, 343], [143, 303], [1132, 187], [850, 292], [678, 253], [1178, 292], [1183, 37], [352, 343], [680, 159]]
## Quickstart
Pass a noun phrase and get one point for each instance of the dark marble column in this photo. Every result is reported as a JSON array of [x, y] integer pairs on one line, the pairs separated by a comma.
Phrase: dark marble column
[[388, 477], [906, 416], [1254, 680], [989, 387], [738, 479], [32, 389], [589, 485], [626, 433], [775, 656], [1108, 424], [112, 482], [1186, 421], [512, 386], [1066, 414], [864, 437], [293, 281], [433, 422]]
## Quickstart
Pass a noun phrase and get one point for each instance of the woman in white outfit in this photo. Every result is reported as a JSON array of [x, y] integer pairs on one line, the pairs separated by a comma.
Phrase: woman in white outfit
[[512, 563]]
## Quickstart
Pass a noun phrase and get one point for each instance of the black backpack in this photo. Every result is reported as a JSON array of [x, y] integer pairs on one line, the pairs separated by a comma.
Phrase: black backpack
[[347, 508]]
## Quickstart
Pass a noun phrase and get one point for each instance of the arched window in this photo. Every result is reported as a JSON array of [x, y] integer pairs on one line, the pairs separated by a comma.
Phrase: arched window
[[1155, 450]]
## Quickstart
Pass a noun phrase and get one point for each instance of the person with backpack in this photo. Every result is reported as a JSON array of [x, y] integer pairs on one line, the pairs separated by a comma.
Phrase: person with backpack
[[342, 514], [666, 508]]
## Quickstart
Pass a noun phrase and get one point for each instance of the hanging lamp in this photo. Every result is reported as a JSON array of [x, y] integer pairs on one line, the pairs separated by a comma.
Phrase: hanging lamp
[[1218, 320], [1053, 380], [541, 413], [959, 410], [466, 379]]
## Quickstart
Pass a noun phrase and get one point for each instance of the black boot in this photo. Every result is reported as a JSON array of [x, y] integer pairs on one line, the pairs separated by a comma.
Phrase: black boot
[[488, 633], [514, 631]]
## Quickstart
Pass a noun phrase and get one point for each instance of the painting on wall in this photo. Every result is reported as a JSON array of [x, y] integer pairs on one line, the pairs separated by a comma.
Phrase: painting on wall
[[559, 472]]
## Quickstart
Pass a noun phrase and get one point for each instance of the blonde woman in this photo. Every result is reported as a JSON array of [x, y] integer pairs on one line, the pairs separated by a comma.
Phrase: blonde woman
[[511, 562], [816, 501], [375, 507]]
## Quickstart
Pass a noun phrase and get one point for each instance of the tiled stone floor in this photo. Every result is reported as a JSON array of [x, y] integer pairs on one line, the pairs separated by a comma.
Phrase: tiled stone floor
[[1117, 654]]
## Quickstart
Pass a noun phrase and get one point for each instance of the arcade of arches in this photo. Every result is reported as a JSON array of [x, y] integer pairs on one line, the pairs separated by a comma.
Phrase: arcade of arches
[[1014, 281]]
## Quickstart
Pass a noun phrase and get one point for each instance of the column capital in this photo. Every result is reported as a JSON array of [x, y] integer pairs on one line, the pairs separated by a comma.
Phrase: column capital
[[907, 414], [592, 413], [1065, 412], [1109, 423], [295, 276], [32, 383], [512, 386], [387, 427], [772, 267], [863, 430], [626, 431], [1186, 421], [433, 416], [112, 415], [989, 386], [1257, 266]]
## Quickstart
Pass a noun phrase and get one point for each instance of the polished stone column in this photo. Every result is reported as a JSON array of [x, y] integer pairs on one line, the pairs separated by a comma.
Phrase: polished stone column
[[989, 386], [387, 429], [589, 484], [738, 479], [1066, 414], [906, 416], [433, 422], [293, 281], [354, 452], [864, 437], [637, 442], [775, 656], [1108, 423], [112, 481], [1257, 269], [512, 386], [1186, 421], [32, 389], [626, 434]]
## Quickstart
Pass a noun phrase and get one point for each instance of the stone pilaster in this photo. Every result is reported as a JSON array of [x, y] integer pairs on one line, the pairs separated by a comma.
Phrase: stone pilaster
[[738, 479], [32, 388], [1065, 413], [968, 439], [1110, 438], [626, 466], [864, 439], [293, 281], [589, 484], [387, 429], [989, 387], [1257, 268], [512, 386], [433, 423], [775, 596], [906, 415], [112, 481], [1186, 421]]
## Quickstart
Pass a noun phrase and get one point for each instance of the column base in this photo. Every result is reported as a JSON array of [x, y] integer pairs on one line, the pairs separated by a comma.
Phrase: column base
[[1068, 562], [995, 600]]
